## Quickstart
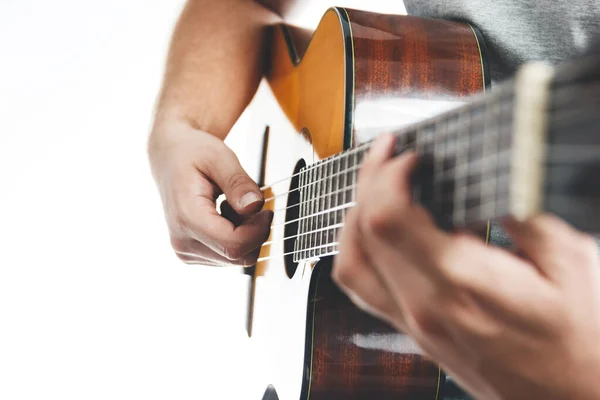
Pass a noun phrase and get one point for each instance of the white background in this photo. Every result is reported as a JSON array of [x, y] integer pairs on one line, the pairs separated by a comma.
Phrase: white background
[[93, 304]]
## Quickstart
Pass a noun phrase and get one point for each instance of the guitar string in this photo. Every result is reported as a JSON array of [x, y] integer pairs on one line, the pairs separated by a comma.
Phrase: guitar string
[[481, 208], [325, 196], [470, 194], [472, 144], [311, 167], [497, 157], [347, 154], [422, 127], [307, 250], [349, 204], [285, 238], [490, 104], [270, 257], [322, 212]]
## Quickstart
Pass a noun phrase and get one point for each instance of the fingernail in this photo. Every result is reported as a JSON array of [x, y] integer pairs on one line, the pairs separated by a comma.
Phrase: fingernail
[[249, 198]]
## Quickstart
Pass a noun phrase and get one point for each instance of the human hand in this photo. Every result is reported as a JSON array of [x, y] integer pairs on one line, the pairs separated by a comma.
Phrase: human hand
[[504, 326], [192, 168]]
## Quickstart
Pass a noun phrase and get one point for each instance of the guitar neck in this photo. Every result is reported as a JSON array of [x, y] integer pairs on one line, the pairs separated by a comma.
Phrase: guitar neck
[[526, 148]]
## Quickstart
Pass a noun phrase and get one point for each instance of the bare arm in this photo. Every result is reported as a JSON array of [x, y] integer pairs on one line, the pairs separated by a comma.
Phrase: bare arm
[[214, 63], [213, 69]]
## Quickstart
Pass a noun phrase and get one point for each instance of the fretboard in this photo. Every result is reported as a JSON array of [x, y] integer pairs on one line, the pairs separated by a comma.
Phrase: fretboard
[[527, 147], [462, 176]]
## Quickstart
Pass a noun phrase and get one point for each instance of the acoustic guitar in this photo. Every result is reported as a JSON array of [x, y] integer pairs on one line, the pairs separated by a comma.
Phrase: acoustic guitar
[[528, 145]]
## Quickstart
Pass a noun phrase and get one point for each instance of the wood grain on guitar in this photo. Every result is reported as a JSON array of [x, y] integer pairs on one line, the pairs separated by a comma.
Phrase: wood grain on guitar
[[525, 147], [318, 344]]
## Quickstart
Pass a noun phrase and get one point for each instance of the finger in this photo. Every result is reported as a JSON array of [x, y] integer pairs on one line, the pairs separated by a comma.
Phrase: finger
[[460, 280], [391, 215], [222, 166], [202, 222], [380, 151], [552, 245], [353, 274], [229, 213], [415, 258]]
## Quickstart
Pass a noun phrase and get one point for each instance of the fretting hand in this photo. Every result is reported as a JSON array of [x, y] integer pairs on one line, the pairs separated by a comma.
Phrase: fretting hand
[[505, 326]]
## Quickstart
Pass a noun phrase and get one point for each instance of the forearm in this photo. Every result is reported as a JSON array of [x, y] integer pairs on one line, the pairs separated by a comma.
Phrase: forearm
[[214, 64]]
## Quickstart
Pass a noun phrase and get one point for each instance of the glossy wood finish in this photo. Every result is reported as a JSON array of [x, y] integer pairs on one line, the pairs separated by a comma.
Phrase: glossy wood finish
[[312, 92], [402, 59], [354, 355], [353, 59]]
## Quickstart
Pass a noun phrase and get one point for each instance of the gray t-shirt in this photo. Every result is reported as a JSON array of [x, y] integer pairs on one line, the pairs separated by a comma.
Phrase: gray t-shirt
[[518, 31]]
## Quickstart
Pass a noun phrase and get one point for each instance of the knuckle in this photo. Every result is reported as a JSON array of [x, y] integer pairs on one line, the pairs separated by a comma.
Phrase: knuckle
[[450, 261], [423, 319], [343, 274], [236, 180], [378, 221]]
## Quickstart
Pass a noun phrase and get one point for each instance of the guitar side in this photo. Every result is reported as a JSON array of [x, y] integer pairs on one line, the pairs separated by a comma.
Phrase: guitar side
[[356, 65]]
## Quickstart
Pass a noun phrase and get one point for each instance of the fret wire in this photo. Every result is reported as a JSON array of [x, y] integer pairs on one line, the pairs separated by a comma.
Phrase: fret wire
[[335, 244], [401, 134], [353, 175], [490, 181], [344, 177], [470, 191], [319, 186], [468, 146], [438, 167], [329, 198], [503, 155], [339, 196], [304, 212], [401, 142], [302, 222], [311, 220], [299, 235], [458, 215], [418, 143], [298, 243], [272, 256], [307, 212], [474, 211], [307, 209], [315, 211], [412, 128], [319, 221]]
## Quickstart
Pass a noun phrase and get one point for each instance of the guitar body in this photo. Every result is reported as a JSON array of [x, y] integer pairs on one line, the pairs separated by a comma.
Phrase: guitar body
[[325, 95]]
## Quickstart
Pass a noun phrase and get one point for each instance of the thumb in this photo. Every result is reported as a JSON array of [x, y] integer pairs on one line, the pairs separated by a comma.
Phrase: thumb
[[222, 166]]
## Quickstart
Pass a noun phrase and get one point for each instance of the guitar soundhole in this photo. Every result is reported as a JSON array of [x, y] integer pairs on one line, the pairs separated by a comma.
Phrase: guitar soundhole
[[291, 221]]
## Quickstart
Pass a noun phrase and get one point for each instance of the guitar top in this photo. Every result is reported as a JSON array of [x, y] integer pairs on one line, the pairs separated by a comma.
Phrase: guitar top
[[527, 146]]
